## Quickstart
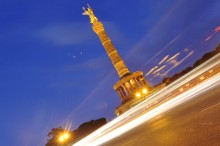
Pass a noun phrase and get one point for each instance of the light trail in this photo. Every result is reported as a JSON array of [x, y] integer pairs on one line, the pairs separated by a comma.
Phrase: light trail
[[173, 57], [217, 29], [177, 63], [156, 71], [126, 121], [151, 70], [164, 59], [180, 99]]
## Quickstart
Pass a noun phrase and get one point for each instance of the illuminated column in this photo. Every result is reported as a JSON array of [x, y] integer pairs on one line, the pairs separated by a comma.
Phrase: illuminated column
[[130, 83], [115, 58], [119, 93]]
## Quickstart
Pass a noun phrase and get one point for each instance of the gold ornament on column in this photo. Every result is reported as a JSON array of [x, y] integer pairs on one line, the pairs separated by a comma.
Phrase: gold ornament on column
[[115, 58], [132, 87]]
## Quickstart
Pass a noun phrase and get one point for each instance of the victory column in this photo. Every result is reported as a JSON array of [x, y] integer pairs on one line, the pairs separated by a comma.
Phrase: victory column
[[132, 87]]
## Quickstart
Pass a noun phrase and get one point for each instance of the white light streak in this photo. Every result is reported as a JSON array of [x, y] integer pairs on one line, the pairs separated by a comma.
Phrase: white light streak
[[164, 59], [162, 67], [180, 99], [174, 56], [126, 121], [151, 70], [177, 63]]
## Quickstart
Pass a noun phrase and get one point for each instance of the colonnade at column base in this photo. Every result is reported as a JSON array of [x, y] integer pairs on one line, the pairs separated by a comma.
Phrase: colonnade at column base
[[131, 102]]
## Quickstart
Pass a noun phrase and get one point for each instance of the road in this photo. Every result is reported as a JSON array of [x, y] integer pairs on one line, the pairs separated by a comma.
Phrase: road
[[195, 123], [179, 106]]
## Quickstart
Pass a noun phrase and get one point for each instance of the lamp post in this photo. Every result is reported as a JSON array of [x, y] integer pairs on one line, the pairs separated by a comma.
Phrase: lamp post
[[64, 137]]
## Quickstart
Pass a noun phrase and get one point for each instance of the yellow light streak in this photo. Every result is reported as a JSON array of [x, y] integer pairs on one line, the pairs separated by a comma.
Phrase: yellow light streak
[[162, 67], [95, 139], [151, 70], [173, 57], [164, 59]]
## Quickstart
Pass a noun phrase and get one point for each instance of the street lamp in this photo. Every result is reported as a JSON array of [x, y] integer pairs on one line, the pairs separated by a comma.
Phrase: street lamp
[[138, 94], [144, 91], [63, 137]]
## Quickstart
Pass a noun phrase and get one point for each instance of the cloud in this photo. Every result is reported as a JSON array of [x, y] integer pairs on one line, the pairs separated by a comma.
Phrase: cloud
[[212, 14], [89, 71], [66, 33], [115, 33], [101, 106], [94, 63], [76, 33], [169, 35], [185, 50]]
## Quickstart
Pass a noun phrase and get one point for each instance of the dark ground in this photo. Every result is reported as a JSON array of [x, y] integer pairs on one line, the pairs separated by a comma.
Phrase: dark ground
[[195, 123]]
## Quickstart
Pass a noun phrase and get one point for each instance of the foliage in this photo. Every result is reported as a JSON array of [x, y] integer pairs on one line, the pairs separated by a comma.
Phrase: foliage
[[204, 58], [75, 135], [54, 135]]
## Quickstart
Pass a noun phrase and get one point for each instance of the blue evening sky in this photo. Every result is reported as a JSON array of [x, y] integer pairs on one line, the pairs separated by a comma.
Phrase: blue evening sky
[[55, 72]]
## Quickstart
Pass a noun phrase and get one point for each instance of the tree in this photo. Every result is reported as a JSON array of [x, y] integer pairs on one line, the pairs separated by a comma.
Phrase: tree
[[204, 58], [55, 137], [73, 136]]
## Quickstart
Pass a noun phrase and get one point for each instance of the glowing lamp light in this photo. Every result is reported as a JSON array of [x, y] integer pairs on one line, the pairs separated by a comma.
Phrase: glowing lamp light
[[61, 138], [201, 78], [138, 94], [66, 135], [144, 91]]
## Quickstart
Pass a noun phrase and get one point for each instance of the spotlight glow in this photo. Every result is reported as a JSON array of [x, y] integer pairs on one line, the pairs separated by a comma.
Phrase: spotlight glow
[[144, 91], [138, 94]]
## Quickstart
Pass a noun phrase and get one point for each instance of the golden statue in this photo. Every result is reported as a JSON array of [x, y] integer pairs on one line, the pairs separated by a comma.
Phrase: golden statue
[[90, 13], [132, 87]]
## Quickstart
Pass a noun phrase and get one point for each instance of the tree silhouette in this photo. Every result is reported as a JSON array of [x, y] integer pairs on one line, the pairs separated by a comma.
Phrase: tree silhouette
[[203, 59], [75, 135], [54, 136]]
